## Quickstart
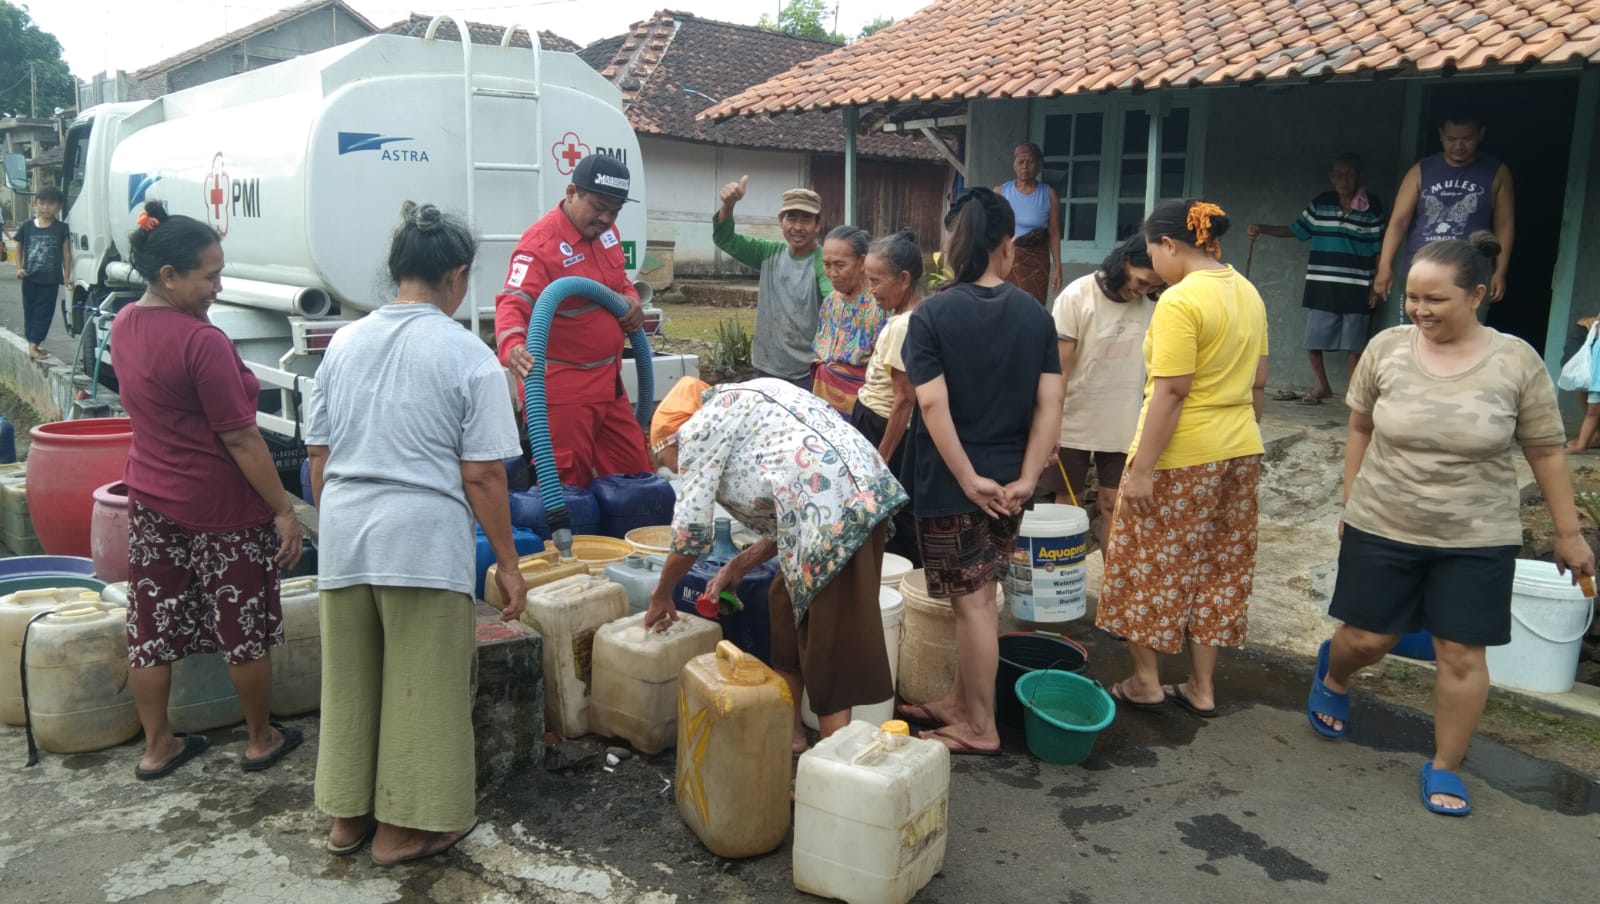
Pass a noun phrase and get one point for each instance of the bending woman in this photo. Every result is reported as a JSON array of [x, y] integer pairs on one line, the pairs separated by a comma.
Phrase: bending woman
[[1182, 549], [1450, 400], [788, 467]]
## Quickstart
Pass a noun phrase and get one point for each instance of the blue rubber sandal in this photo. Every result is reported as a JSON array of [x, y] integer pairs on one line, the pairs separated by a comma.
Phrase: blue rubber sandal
[[1443, 781], [1325, 702]]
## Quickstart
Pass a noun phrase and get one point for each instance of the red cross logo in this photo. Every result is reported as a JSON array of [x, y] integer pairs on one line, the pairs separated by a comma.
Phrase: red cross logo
[[568, 151], [217, 197]]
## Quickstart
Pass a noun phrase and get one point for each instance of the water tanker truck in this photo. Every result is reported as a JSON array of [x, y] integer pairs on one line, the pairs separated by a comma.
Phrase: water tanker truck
[[302, 168]]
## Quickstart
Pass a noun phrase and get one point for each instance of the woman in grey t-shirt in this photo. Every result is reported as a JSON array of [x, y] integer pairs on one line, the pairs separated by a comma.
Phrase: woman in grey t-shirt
[[407, 426]]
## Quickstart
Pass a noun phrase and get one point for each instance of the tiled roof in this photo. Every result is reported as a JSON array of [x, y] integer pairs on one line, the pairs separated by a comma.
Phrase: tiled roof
[[960, 49], [417, 25], [599, 54], [674, 65], [201, 51]]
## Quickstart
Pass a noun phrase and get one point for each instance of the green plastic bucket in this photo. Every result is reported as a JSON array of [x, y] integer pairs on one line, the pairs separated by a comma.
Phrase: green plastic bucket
[[1063, 714]]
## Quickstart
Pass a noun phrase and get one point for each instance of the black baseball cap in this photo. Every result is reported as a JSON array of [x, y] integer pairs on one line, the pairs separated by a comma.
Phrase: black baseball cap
[[603, 175]]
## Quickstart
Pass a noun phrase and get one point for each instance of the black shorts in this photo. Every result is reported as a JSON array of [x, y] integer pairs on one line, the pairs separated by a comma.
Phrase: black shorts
[[1388, 587]]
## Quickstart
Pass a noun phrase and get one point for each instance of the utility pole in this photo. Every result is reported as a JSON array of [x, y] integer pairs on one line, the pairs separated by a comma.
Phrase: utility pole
[[33, 90]]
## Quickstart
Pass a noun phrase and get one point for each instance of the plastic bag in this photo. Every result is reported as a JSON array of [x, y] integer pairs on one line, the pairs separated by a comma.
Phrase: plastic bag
[[1578, 370]]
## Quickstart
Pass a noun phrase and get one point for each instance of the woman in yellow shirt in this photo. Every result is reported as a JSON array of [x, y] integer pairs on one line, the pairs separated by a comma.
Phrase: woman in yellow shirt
[[1182, 550]]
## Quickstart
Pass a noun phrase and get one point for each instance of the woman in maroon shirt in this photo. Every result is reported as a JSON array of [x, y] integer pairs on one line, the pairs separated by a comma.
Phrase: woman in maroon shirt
[[210, 522]]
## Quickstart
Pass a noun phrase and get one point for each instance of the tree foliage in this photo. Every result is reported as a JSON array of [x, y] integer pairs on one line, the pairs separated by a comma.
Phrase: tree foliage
[[803, 19], [876, 25], [23, 43]]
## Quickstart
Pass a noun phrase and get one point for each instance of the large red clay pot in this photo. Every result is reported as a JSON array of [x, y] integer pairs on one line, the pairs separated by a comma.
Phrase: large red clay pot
[[108, 532], [66, 462]]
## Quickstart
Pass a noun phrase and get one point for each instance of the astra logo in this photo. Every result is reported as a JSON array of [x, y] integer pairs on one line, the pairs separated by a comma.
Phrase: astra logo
[[354, 142], [139, 186]]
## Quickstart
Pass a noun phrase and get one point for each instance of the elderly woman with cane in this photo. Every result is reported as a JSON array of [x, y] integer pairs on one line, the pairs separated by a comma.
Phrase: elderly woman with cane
[[784, 463]]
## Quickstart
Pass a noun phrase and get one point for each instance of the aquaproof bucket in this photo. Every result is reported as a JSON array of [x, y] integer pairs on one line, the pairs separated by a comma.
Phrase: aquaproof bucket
[[1549, 617], [1046, 581]]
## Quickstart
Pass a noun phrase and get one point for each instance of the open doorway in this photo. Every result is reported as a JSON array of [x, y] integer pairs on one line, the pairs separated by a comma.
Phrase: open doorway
[[1529, 127]]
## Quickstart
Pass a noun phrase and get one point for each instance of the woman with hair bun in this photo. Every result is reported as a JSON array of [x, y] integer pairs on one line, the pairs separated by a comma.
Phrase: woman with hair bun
[[982, 356], [210, 522], [1432, 515], [406, 429], [1182, 548]]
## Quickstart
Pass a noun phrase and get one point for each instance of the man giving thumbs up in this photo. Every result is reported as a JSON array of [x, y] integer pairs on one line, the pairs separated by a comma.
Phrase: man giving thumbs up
[[792, 282]]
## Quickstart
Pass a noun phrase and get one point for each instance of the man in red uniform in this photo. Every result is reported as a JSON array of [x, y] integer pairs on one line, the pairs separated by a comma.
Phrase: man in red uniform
[[592, 426]]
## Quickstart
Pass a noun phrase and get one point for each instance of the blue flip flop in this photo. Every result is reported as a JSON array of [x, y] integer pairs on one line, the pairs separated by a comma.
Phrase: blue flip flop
[[1443, 781], [1326, 702]]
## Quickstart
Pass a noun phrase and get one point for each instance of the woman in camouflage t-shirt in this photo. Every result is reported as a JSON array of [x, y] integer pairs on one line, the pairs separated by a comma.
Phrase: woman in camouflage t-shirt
[[1431, 526]]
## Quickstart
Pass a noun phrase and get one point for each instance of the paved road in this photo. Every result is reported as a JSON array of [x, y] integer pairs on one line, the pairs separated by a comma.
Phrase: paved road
[[1249, 807], [58, 343]]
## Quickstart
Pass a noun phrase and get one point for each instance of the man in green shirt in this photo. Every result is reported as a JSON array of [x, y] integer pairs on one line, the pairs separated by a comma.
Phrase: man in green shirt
[[792, 282]]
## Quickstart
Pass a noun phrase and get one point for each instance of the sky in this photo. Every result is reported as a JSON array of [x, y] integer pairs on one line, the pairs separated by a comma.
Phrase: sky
[[101, 35]]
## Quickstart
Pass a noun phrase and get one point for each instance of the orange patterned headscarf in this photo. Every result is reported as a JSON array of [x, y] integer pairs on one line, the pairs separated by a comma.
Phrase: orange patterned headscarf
[[1199, 222], [675, 409]]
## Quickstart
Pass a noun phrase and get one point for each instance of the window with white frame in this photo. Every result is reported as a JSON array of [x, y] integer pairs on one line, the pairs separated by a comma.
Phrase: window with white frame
[[1098, 155]]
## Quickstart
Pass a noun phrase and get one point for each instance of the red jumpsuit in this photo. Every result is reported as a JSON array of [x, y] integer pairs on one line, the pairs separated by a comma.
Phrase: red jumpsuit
[[592, 425]]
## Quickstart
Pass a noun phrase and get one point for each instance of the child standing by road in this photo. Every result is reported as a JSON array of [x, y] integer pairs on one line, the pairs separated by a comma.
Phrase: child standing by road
[[44, 260]]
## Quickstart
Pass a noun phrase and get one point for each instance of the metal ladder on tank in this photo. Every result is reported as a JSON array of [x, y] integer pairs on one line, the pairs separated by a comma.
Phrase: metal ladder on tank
[[473, 90]]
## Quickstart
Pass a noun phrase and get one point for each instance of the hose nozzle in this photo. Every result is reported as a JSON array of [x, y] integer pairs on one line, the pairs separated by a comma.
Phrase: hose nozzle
[[563, 542]]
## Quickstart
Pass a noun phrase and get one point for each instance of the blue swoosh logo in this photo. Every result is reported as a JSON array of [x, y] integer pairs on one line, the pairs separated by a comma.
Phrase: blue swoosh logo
[[351, 142], [139, 186]]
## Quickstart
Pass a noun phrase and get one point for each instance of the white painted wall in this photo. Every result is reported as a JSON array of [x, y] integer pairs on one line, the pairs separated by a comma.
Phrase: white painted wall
[[684, 179]]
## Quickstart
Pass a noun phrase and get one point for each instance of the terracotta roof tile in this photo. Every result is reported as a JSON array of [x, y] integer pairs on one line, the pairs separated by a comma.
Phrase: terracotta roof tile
[[281, 17], [956, 49]]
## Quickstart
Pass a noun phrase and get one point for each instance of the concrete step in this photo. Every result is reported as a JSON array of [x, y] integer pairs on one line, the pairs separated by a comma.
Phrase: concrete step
[[508, 703]]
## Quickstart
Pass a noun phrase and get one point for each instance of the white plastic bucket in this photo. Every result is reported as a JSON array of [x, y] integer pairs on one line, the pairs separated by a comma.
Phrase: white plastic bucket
[[892, 607], [1046, 582], [894, 569], [1549, 617]]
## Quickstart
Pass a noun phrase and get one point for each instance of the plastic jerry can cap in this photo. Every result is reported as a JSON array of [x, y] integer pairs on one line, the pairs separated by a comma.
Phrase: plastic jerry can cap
[[895, 727]]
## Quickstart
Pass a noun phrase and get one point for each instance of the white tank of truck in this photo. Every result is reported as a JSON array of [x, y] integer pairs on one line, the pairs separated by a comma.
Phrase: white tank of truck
[[302, 167]]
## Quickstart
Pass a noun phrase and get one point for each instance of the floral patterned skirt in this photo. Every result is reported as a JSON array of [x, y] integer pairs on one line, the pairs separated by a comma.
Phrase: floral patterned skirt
[[1185, 571], [193, 592]]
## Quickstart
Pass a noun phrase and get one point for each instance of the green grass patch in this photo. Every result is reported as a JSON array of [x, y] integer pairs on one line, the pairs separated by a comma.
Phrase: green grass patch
[[699, 323]]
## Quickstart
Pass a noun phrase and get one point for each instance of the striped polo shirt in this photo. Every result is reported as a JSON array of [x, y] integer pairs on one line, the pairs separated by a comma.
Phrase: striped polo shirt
[[1345, 245]]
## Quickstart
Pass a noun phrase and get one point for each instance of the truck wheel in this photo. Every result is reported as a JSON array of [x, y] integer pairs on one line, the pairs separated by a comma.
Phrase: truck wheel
[[89, 342]]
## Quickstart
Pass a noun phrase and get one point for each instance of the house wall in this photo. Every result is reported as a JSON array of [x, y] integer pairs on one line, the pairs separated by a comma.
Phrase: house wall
[[1267, 152], [314, 31], [682, 180], [1586, 286]]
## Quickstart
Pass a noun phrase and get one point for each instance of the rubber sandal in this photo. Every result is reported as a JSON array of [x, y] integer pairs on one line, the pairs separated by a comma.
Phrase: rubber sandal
[[958, 747], [291, 739], [1151, 707], [1285, 395], [1325, 702], [344, 850], [1310, 400], [193, 746], [1443, 781], [1176, 695], [917, 713], [432, 848]]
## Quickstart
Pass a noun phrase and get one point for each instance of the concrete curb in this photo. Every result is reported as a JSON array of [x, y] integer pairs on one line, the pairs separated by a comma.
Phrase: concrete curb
[[47, 385]]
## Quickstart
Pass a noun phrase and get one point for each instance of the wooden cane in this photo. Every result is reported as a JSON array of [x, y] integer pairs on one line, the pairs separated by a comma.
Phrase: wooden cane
[[1248, 257]]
